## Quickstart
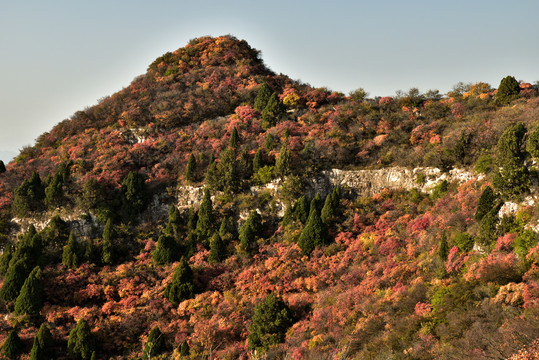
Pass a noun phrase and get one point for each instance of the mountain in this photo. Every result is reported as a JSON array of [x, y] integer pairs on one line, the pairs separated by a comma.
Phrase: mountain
[[215, 209]]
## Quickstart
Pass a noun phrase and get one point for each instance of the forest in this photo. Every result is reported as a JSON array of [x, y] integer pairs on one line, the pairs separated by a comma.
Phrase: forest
[[105, 254]]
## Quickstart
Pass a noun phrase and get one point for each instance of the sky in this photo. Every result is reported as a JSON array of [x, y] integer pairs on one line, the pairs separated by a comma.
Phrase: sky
[[61, 56]]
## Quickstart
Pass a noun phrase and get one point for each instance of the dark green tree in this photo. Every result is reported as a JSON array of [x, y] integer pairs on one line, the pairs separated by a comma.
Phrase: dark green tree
[[487, 227], [257, 161], [166, 250], [54, 192], [2, 167], [55, 236], [270, 143], [81, 343], [155, 345], [282, 164], [92, 195], [272, 112], [328, 211], [532, 145], [13, 346], [30, 299], [228, 230], [487, 202], [184, 349], [262, 97], [5, 258], [16, 275], [192, 219], [513, 178], [182, 286], [301, 210], [108, 251], [213, 179], [230, 175], [43, 343], [133, 194], [206, 220], [29, 196], [73, 253], [315, 232], [443, 248], [245, 165], [234, 138], [249, 231], [174, 223], [190, 173], [217, 249], [271, 319], [508, 90]]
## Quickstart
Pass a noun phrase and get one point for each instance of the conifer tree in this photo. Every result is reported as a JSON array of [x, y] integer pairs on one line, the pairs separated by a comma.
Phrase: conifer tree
[[328, 211], [133, 194], [81, 343], [41, 350], [443, 249], [228, 230], [166, 250], [272, 112], [174, 223], [206, 219], [30, 299], [29, 196], [192, 219], [182, 286], [212, 176], [270, 142], [234, 138], [315, 232], [5, 258], [282, 164], [55, 235], [249, 231], [217, 249], [184, 349], [54, 192], [245, 165], [14, 280], [73, 253], [191, 168], [532, 144], [271, 319], [508, 90], [486, 202], [257, 161], [262, 97], [155, 345], [301, 209], [2, 167], [228, 168], [13, 346], [108, 252]]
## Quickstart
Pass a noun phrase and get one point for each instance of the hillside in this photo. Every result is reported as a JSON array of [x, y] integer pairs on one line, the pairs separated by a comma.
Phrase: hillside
[[215, 209]]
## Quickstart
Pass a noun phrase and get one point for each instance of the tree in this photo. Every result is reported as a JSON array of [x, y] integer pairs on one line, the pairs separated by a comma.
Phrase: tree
[[487, 201], [234, 138], [217, 249], [30, 299], [271, 320], [41, 350], [245, 165], [532, 145], [328, 211], [13, 346], [166, 250], [15, 277], [358, 94], [315, 232], [212, 176], [92, 195], [5, 258], [81, 343], [443, 249], [2, 167], [184, 349], [257, 161], [182, 286], [228, 230], [73, 253], [29, 196], [272, 112], [54, 192], [108, 251], [228, 168], [55, 236], [174, 223], [191, 168], [249, 232], [133, 194], [512, 178], [262, 97], [206, 220], [301, 209], [282, 164], [155, 345], [508, 90]]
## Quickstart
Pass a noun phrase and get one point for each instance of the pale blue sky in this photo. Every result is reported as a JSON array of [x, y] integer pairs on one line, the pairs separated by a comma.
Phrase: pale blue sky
[[60, 56]]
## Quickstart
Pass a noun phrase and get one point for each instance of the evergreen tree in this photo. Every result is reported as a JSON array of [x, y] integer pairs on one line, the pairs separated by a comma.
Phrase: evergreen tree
[[155, 345], [29, 196], [166, 250], [184, 349], [228, 230], [245, 165], [487, 227], [72, 255], [206, 219], [272, 112], [108, 252], [5, 258], [228, 169], [191, 168], [217, 249], [92, 193], [270, 142], [212, 177], [55, 236], [234, 138], [271, 319], [192, 219], [328, 211], [13, 346], [282, 164], [532, 145], [249, 232], [174, 223], [257, 161], [30, 299], [16, 275], [41, 350], [443, 249], [133, 194], [54, 192], [486, 202], [508, 90], [81, 343], [182, 286], [301, 210], [262, 97], [2, 167], [315, 232], [513, 178]]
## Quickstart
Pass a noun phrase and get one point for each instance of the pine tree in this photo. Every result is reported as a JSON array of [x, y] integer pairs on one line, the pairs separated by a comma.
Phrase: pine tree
[[5, 258], [249, 231], [443, 249], [81, 343], [108, 252], [217, 249], [73, 253], [133, 194], [191, 168], [262, 97], [41, 350], [270, 142], [2, 167], [272, 112], [328, 211], [282, 164], [228, 168], [30, 299], [54, 192], [301, 210], [315, 232], [212, 177], [13, 346], [257, 161], [14, 280], [486, 202], [55, 235], [182, 286], [166, 250], [234, 138], [508, 90], [532, 144], [228, 230], [155, 345], [29, 196], [206, 219], [192, 219], [271, 319], [245, 165], [174, 223], [184, 349]]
